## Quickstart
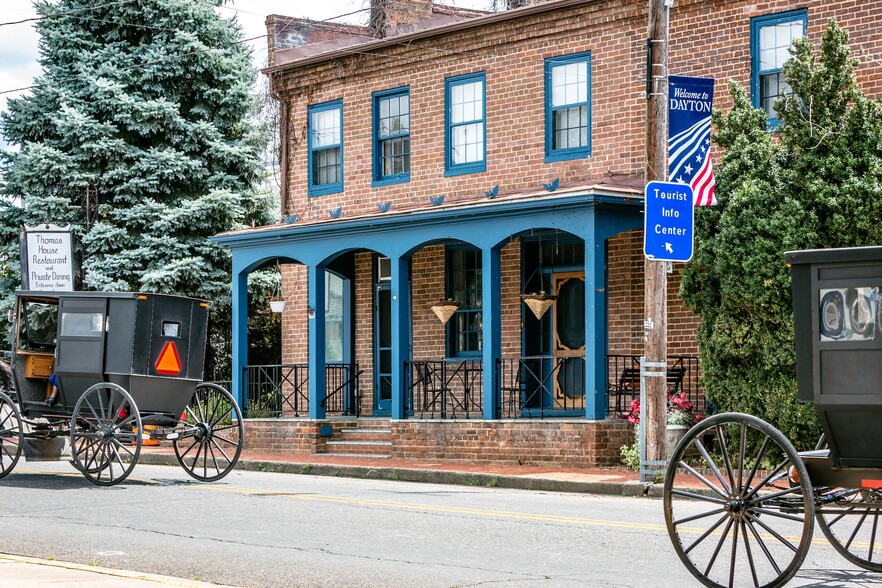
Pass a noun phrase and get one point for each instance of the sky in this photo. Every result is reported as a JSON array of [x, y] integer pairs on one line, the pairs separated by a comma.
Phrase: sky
[[18, 42]]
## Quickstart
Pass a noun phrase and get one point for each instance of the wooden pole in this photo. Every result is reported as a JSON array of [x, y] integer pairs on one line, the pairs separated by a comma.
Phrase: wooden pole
[[656, 278]]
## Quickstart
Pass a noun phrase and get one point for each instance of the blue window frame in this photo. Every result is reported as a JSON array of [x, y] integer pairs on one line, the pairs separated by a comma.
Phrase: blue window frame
[[325, 144], [465, 138], [465, 334], [770, 39], [568, 107], [391, 136]]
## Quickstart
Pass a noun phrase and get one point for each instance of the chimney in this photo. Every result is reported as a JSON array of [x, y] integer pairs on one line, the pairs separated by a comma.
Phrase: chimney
[[387, 15]]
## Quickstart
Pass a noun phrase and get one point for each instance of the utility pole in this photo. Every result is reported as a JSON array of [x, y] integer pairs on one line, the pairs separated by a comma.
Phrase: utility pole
[[656, 278]]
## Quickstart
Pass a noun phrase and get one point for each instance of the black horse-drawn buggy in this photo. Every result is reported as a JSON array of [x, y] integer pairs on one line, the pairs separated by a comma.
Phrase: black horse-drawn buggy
[[740, 502], [108, 371]]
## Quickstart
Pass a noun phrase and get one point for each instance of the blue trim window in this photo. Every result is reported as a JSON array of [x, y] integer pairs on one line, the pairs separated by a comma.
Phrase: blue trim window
[[465, 139], [391, 136], [770, 39], [464, 279], [568, 107], [325, 148]]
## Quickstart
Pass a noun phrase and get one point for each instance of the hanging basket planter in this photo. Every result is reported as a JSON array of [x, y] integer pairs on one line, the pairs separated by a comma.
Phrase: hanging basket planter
[[539, 303], [444, 309], [277, 306]]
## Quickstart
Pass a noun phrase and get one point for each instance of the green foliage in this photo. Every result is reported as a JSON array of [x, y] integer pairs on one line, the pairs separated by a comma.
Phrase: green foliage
[[816, 182], [631, 453]]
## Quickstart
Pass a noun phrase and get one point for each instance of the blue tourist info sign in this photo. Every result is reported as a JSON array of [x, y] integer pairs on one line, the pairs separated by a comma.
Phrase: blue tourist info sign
[[668, 222]]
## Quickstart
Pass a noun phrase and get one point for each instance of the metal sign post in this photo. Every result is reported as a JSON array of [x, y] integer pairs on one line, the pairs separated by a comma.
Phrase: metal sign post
[[649, 469]]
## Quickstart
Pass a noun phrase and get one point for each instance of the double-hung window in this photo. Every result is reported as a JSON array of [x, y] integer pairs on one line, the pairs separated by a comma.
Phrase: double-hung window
[[391, 136], [464, 279], [568, 107], [465, 139], [325, 138], [770, 39]]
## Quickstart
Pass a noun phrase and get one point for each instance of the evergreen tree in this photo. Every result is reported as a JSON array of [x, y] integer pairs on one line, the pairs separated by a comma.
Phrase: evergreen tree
[[143, 105], [816, 184]]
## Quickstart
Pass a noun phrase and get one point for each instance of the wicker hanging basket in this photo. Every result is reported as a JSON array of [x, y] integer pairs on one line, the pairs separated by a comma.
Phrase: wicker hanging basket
[[444, 309], [539, 303]]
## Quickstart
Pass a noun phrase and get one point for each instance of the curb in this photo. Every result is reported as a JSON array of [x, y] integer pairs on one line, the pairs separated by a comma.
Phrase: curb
[[627, 488]]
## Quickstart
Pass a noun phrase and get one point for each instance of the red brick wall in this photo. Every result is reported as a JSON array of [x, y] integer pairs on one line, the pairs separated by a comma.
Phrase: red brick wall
[[708, 38], [561, 443], [575, 444]]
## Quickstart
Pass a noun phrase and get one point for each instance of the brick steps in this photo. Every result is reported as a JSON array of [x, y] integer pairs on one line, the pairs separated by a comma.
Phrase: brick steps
[[369, 439]]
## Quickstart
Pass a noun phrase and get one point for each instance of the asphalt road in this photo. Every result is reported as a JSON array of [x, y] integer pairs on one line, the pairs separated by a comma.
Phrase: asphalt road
[[265, 529]]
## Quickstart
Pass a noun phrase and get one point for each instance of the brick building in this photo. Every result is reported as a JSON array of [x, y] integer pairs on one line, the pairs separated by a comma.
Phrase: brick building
[[486, 158]]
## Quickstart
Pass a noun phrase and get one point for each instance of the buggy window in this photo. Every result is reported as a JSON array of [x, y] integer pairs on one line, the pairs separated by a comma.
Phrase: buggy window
[[38, 326], [171, 329], [82, 324]]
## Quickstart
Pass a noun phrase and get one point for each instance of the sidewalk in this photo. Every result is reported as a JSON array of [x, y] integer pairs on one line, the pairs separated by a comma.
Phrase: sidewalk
[[29, 572], [618, 482]]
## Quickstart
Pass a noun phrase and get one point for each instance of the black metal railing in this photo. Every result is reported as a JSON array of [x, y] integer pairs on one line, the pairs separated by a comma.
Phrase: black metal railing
[[624, 381], [276, 390], [540, 386], [282, 390], [445, 388], [341, 383]]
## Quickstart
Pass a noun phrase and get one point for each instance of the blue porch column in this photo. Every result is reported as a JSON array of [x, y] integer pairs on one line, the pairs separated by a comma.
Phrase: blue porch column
[[595, 327], [491, 278], [401, 337], [317, 391], [240, 338]]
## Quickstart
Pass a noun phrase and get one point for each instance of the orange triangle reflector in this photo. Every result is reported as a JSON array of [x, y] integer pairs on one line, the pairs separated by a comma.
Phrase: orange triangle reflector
[[169, 364]]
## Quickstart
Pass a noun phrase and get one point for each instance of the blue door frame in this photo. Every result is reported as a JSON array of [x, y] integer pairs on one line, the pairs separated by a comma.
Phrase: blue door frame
[[382, 349], [594, 216]]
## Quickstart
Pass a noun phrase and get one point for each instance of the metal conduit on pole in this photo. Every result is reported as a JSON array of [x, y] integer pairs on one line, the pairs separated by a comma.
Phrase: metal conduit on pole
[[656, 280]]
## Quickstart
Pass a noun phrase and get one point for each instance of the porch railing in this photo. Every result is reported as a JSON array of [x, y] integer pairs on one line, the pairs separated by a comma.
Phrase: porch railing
[[624, 381], [445, 388], [341, 383], [539, 386], [282, 390]]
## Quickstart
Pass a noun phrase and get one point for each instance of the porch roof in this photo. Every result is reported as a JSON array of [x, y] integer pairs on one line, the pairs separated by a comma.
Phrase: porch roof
[[626, 192]]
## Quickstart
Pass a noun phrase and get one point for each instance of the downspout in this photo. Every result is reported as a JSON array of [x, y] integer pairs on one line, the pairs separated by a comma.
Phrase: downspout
[[283, 144]]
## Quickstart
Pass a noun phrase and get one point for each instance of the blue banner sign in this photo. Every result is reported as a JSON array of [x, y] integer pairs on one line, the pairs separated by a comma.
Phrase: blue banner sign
[[690, 102], [668, 222]]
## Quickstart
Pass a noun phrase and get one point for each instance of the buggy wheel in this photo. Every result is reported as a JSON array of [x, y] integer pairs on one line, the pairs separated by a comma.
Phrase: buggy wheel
[[213, 434], [851, 525], [105, 421], [734, 516], [11, 435]]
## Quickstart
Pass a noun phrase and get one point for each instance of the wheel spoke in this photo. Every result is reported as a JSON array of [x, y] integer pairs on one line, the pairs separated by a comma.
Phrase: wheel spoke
[[713, 558], [734, 554], [702, 479], [772, 477], [224, 453], [856, 529], [695, 496], [772, 532], [762, 545], [724, 449], [780, 515], [749, 553], [706, 534], [759, 457], [713, 466], [189, 449]]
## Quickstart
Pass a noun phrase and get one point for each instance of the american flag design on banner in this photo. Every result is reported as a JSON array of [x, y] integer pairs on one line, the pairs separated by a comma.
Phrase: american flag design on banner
[[689, 128]]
